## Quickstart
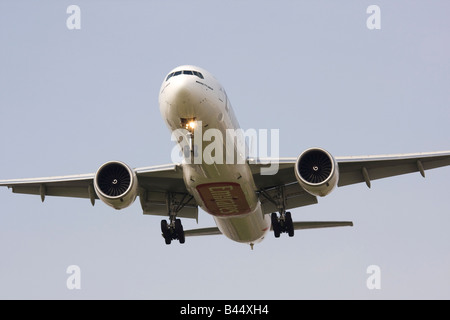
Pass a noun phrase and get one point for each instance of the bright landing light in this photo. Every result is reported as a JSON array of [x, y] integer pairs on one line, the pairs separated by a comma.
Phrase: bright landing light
[[191, 125]]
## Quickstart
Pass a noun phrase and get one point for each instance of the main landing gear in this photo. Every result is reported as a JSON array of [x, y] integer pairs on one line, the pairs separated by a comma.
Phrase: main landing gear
[[282, 224], [172, 231]]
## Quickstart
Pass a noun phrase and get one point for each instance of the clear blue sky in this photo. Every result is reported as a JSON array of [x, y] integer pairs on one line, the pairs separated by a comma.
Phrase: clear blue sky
[[71, 100]]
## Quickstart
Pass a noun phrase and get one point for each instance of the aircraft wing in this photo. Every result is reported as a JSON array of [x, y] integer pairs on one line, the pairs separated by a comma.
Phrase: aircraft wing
[[154, 183], [379, 167], [158, 178], [76, 186], [157, 181], [352, 170]]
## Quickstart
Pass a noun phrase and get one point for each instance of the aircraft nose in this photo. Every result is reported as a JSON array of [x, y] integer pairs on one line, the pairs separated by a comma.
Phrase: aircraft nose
[[181, 93], [181, 96]]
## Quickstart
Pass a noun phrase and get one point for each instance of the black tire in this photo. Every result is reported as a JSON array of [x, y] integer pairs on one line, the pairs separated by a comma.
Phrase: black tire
[[166, 232], [289, 224], [275, 225], [179, 231]]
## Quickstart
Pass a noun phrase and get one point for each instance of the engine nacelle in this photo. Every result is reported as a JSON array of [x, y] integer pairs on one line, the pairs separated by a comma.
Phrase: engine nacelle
[[116, 184], [317, 171]]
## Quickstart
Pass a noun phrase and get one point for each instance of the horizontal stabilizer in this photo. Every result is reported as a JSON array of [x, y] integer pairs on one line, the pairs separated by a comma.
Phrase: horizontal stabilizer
[[321, 224], [202, 232], [297, 226]]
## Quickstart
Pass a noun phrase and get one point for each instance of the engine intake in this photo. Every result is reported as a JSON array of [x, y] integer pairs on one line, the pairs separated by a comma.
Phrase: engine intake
[[116, 184], [317, 172]]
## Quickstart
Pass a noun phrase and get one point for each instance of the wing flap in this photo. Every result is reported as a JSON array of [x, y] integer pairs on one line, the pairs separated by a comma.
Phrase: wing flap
[[74, 192], [162, 178], [155, 203], [294, 196]]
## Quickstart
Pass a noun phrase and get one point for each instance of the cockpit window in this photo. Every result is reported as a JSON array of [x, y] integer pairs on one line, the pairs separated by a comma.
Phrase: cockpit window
[[187, 72], [198, 74]]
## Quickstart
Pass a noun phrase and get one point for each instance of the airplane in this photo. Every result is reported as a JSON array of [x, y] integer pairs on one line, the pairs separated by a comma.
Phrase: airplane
[[245, 201]]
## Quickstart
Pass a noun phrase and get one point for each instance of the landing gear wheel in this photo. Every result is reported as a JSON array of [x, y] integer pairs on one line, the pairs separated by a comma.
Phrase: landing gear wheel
[[289, 225], [179, 232], [167, 234], [276, 225]]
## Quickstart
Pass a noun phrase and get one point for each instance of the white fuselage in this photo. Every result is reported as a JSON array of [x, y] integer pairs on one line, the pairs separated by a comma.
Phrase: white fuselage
[[195, 106]]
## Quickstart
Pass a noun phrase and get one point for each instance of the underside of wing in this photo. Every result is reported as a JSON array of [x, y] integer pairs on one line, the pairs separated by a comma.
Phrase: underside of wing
[[282, 189], [76, 186], [366, 169], [157, 187], [163, 186]]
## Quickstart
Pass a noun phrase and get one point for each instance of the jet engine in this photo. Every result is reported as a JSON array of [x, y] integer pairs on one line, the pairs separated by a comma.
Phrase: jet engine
[[116, 184], [317, 171]]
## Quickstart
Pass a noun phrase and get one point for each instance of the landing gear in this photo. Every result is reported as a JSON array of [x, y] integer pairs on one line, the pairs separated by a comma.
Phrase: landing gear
[[282, 224], [172, 231]]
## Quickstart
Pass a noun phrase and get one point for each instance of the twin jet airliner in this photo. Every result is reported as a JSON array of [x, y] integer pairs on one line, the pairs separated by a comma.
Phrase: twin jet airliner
[[245, 203]]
